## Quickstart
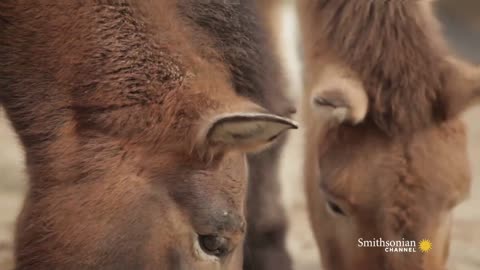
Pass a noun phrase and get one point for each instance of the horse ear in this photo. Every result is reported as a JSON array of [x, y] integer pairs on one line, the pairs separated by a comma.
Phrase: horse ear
[[248, 130], [339, 96], [464, 86]]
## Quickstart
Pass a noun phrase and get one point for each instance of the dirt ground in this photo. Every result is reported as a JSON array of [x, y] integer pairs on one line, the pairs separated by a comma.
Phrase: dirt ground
[[465, 251]]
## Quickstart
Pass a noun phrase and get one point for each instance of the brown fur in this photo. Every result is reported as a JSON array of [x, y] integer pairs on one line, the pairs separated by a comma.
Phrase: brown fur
[[397, 170], [107, 98], [270, 11], [395, 34], [240, 33]]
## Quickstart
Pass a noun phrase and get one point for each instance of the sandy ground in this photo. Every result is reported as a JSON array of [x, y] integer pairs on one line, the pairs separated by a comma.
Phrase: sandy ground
[[466, 232]]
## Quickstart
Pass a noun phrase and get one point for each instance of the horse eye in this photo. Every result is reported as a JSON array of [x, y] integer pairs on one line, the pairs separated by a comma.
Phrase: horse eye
[[334, 208], [214, 245]]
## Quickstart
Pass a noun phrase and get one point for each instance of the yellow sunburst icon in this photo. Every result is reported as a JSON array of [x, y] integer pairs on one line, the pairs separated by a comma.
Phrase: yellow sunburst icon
[[425, 245]]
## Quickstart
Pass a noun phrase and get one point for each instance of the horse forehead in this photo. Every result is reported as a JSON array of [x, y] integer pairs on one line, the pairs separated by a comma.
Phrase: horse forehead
[[224, 183], [430, 167]]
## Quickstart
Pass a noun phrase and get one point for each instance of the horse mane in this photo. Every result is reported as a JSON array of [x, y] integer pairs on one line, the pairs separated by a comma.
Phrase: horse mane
[[397, 51]]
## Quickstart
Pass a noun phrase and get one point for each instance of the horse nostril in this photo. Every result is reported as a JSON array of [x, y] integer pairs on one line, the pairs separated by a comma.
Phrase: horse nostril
[[215, 245]]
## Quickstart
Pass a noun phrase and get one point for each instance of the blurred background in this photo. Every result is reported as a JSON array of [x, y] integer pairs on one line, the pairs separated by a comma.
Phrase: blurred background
[[461, 21]]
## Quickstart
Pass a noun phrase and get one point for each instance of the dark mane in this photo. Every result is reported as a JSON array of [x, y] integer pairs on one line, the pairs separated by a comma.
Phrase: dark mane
[[240, 36]]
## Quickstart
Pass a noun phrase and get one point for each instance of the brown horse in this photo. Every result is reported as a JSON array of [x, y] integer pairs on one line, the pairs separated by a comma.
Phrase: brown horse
[[386, 152], [136, 118]]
